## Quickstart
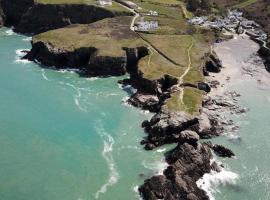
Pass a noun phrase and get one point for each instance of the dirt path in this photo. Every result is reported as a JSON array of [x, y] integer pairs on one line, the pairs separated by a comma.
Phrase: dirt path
[[181, 78]]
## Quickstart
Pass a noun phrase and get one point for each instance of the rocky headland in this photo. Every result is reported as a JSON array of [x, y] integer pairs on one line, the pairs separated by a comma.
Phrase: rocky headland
[[186, 104]]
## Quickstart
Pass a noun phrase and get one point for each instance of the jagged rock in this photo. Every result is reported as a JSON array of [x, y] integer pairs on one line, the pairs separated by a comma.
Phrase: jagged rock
[[222, 151], [188, 163], [213, 64], [166, 127], [145, 102], [189, 137], [204, 87]]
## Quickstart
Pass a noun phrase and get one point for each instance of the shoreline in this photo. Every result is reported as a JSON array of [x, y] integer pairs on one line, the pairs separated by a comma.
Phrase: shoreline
[[185, 130]]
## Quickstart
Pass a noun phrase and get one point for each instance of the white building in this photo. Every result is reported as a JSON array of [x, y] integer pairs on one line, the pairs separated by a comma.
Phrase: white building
[[152, 13], [104, 2], [146, 25]]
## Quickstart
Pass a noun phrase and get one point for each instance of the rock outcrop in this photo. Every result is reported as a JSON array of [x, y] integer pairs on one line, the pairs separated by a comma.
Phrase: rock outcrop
[[166, 128], [212, 64], [30, 17], [264, 52], [145, 101], [188, 163], [220, 150]]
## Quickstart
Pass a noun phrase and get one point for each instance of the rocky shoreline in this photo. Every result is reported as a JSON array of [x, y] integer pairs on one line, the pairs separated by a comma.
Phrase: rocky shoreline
[[190, 159]]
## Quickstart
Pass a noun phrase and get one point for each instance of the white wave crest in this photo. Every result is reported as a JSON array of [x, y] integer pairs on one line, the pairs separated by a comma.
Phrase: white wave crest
[[209, 182], [108, 156], [157, 166], [92, 79], [43, 73], [68, 70], [19, 54], [161, 150], [9, 32], [77, 97], [28, 39]]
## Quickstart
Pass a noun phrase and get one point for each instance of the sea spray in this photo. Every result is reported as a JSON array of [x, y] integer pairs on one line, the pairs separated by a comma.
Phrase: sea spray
[[157, 166], [20, 53], [211, 181]]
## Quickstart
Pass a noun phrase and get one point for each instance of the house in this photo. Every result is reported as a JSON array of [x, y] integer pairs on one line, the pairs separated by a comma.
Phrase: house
[[104, 2], [152, 13], [146, 25]]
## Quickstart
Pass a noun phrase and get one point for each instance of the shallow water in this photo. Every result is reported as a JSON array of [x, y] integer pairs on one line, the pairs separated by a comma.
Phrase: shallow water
[[251, 143], [66, 137]]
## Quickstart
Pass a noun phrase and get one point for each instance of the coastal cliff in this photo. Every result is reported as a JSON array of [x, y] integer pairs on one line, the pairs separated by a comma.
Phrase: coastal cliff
[[32, 17], [171, 86]]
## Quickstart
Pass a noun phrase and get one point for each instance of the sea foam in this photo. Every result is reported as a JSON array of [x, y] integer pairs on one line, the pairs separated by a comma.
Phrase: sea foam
[[157, 166], [9, 32], [210, 181], [108, 143], [19, 54]]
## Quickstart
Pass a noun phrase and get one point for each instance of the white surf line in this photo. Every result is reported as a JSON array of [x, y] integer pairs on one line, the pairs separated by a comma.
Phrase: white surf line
[[77, 96], [107, 155], [19, 55], [43, 73], [180, 81]]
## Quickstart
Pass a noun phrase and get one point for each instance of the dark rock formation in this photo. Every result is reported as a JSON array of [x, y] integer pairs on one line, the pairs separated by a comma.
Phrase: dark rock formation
[[212, 64], [145, 101], [189, 137], [204, 87], [166, 128], [221, 150], [30, 17], [188, 163], [1, 21], [14, 10], [264, 52]]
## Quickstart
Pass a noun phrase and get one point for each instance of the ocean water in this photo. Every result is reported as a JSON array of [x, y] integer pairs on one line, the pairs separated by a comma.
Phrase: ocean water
[[251, 144], [63, 137]]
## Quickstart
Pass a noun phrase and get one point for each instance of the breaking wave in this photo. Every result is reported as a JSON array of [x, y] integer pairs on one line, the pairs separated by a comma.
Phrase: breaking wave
[[157, 166], [19, 54], [108, 143], [210, 182], [9, 32]]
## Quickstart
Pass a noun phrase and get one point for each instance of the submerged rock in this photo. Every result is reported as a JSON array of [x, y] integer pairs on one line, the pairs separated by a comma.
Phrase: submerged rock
[[222, 151]]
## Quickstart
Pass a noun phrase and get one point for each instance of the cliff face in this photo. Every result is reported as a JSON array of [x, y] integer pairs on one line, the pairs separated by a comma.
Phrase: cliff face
[[1, 15], [87, 59], [14, 10], [29, 17]]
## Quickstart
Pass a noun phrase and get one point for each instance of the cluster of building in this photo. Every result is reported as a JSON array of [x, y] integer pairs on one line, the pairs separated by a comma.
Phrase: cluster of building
[[144, 26], [233, 22]]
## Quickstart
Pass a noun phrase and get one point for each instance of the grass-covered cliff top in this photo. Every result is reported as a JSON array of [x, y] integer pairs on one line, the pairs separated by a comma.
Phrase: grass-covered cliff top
[[109, 36], [173, 48]]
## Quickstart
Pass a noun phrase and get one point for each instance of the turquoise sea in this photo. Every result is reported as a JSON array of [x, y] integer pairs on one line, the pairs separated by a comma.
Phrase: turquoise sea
[[63, 137]]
